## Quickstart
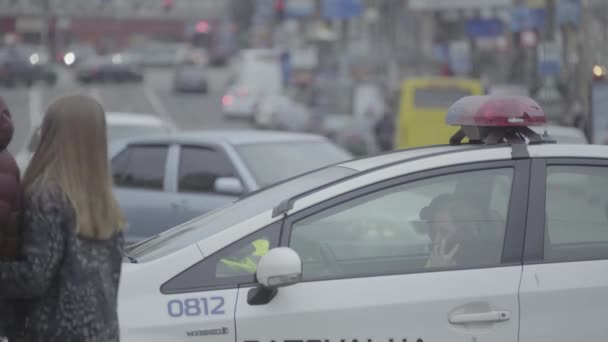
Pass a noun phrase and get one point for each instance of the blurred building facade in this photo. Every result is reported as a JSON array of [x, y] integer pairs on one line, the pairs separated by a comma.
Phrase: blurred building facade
[[52, 22]]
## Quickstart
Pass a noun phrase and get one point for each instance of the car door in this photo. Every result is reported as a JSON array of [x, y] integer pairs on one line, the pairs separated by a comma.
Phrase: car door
[[201, 172], [200, 300], [140, 182], [564, 289], [368, 274]]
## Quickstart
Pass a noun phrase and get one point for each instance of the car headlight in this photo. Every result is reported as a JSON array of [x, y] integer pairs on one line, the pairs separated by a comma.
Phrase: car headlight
[[69, 58], [34, 59]]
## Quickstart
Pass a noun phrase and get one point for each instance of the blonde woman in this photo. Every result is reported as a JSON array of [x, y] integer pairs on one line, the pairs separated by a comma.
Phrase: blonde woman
[[72, 231]]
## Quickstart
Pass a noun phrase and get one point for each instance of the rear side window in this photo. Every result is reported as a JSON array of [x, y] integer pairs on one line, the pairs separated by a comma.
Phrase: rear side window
[[140, 167], [577, 213]]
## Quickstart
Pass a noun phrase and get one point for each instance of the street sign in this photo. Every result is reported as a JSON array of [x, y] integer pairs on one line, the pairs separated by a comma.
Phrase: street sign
[[342, 9], [569, 12], [263, 12], [536, 3], [549, 59], [460, 57], [525, 18], [476, 28], [434, 5], [299, 8]]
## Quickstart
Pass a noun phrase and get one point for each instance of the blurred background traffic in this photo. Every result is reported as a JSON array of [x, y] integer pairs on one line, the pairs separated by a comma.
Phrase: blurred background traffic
[[366, 75]]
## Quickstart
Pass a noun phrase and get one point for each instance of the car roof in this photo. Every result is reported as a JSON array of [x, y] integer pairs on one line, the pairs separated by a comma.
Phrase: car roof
[[231, 137], [133, 119], [567, 134], [440, 156], [547, 150]]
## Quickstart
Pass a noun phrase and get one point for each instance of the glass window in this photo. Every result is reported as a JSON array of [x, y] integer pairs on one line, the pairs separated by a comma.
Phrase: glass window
[[120, 164], [235, 264], [577, 213], [442, 97], [239, 211], [146, 168], [273, 162], [199, 168], [452, 221]]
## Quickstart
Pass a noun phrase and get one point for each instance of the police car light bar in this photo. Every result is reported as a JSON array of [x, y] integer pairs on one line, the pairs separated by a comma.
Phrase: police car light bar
[[495, 111], [492, 119]]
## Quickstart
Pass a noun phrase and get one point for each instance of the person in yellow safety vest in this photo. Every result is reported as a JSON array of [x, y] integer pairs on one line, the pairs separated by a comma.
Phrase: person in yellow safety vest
[[247, 260]]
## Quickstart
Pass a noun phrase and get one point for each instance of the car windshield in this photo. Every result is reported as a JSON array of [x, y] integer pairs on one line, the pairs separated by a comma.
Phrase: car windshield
[[118, 132], [239, 211], [273, 162]]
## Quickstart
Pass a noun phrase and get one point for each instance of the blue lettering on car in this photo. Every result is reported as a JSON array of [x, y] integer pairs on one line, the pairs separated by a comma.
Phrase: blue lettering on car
[[202, 306]]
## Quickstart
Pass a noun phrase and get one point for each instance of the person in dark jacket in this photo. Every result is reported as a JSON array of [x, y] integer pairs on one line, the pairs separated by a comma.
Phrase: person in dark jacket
[[10, 208], [384, 131], [10, 193], [72, 240]]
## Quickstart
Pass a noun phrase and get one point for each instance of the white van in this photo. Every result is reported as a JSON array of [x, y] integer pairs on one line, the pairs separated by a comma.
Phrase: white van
[[257, 75]]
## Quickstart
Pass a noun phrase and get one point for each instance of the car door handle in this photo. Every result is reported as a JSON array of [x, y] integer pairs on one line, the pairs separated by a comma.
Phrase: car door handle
[[483, 317]]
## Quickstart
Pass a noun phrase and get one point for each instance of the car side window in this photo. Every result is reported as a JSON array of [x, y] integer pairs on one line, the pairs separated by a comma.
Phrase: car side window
[[576, 213], [141, 167], [120, 164], [452, 221], [199, 169], [233, 265]]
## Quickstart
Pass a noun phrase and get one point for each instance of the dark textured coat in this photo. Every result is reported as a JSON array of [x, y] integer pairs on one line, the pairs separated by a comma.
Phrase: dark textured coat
[[70, 283], [10, 208], [10, 192]]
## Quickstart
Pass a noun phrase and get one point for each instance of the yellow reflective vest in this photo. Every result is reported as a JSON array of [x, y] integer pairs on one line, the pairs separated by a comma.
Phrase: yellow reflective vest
[[249, 263]]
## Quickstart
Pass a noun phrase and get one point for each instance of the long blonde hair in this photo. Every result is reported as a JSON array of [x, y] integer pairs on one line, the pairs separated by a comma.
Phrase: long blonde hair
[[73, 154]]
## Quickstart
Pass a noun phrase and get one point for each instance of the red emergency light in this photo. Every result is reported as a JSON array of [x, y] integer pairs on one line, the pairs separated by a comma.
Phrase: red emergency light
[[202, 27], [227, 100], [495, 111], [495, 118]]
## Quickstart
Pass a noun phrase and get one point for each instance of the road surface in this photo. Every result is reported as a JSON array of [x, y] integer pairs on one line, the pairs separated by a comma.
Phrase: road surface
[[153, 96]]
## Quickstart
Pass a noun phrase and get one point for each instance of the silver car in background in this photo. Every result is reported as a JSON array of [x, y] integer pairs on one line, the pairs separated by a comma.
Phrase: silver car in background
[[119, 126], [190, 77], [163, 181]]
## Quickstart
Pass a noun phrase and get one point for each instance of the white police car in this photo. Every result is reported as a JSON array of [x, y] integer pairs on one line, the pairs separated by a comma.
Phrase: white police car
[[504, 238]]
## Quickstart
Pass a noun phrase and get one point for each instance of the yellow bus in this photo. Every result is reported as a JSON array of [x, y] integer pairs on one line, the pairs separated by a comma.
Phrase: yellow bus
[[423, 104]]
